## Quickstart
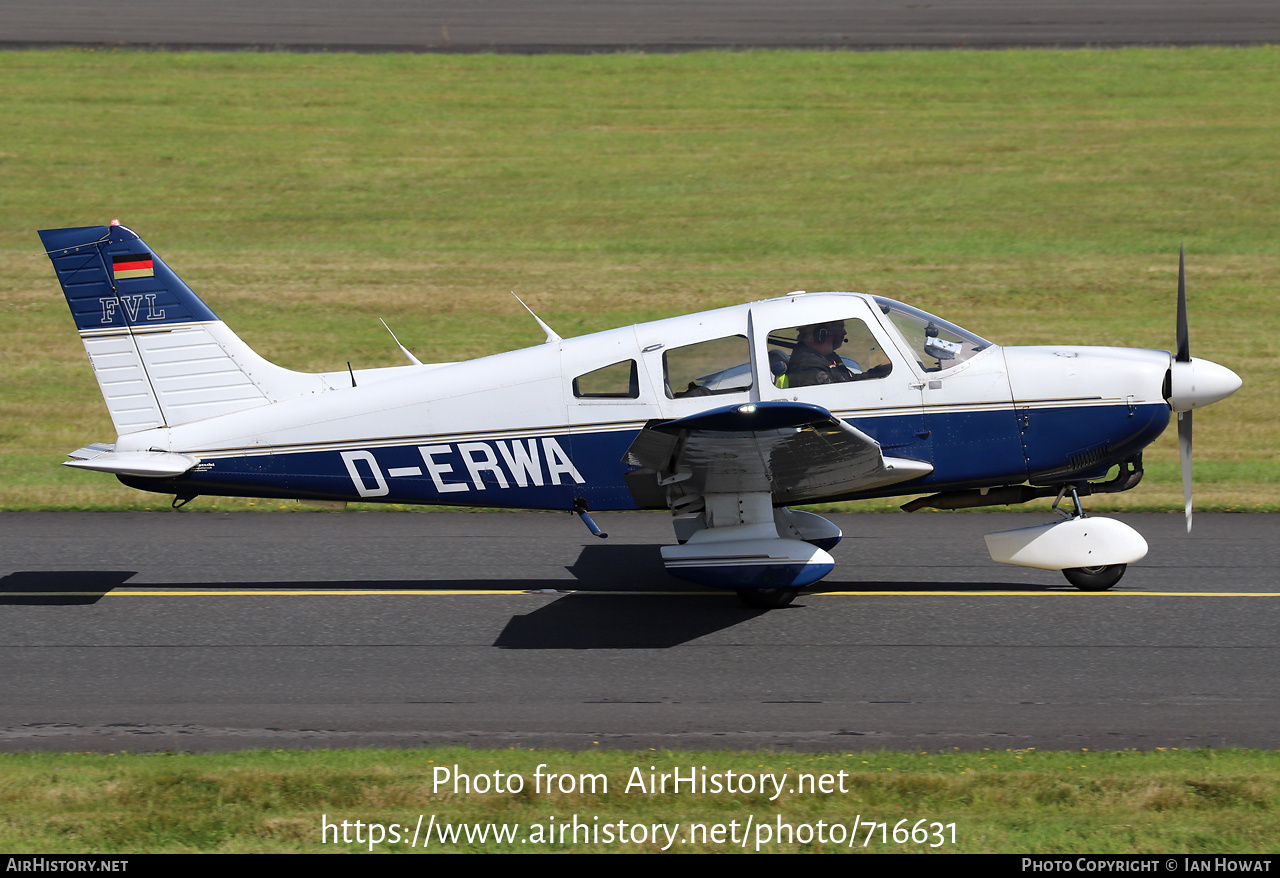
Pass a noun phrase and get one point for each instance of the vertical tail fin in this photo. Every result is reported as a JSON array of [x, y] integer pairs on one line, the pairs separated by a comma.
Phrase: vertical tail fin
[[160, 355]]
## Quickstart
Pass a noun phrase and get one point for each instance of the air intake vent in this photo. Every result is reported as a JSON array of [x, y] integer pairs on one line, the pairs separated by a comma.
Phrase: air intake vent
[[1089, 457]]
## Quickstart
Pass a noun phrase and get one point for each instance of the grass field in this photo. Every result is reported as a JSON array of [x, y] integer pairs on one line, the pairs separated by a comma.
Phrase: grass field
[[1031, 196], [1193, 802]]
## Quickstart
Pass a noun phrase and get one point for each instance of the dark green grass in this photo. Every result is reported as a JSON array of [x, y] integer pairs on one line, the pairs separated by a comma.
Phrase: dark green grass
[[717, 156], [1167, 801], [1033, 196]]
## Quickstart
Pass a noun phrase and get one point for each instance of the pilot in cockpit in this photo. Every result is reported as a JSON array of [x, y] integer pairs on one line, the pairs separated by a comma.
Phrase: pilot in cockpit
[[814, 359]]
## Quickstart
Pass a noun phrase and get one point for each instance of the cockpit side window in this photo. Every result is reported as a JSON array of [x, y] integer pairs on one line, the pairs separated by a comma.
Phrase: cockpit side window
[[616, 381], [832, 352], [708, 368]]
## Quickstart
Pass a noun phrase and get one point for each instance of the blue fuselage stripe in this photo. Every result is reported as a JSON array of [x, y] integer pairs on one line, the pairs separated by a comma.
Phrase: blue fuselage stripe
[[977, 448]]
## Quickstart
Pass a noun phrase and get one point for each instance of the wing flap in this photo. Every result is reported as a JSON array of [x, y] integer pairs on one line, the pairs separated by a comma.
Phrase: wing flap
[[796, 451]]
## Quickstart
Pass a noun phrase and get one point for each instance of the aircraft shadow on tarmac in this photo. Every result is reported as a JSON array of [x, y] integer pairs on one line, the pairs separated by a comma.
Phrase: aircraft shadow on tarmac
[[602, 568], [60, 588], [599, 570], [620, 597], [607, 613]]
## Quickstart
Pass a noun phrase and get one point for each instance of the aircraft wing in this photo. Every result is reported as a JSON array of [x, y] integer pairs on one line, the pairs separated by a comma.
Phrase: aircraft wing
[[796, 451]]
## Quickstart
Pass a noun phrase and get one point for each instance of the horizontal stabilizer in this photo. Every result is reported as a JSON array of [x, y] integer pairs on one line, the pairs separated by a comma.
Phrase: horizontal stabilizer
[[105, 459]]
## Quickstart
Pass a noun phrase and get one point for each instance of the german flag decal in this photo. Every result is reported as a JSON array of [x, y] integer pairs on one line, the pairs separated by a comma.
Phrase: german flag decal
[[132, 265]]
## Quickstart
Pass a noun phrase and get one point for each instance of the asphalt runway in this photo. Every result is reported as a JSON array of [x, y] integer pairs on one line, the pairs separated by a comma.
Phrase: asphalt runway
[[651, 25], [198, 631]]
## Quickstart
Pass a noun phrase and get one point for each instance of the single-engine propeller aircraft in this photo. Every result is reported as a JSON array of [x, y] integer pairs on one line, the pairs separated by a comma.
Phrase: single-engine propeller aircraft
[[726, 418]]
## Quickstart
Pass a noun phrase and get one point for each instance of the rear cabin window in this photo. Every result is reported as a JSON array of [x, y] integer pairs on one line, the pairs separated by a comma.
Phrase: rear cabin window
[[708, 368], [615, 381]]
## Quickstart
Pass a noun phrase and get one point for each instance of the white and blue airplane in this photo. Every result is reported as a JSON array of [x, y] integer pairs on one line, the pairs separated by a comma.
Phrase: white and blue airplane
[[725, 418]]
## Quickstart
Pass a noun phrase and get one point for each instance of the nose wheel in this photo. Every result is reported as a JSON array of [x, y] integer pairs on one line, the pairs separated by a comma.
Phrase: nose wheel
[[1094, 578], [1098, 578]]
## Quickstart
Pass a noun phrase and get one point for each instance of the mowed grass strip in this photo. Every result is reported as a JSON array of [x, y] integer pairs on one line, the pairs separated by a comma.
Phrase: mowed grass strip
[[1031, 196], [1165, 801]]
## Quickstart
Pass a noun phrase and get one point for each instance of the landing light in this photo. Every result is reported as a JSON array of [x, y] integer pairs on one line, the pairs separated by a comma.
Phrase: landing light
[[748, 409]]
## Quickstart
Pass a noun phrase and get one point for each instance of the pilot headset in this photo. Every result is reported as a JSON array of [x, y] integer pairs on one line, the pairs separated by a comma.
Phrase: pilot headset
[[821, 333]]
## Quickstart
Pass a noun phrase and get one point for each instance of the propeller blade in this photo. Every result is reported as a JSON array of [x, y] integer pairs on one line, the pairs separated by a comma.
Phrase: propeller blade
[[1184, 356], [1184, 455], [1184, 337]]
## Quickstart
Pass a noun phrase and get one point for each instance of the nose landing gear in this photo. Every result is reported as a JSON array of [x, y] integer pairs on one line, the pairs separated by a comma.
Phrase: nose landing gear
[[1098, 577], [1092, 553], [1094, 578]]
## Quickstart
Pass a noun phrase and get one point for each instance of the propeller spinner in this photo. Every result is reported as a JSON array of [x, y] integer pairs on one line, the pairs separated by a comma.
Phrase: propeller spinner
[[1192, 384]]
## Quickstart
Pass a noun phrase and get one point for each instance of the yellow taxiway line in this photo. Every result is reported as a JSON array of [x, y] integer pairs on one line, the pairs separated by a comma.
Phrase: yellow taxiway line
[[346, 592]]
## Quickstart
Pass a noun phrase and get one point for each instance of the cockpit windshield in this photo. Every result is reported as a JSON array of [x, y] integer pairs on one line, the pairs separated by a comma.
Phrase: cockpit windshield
[[936, 344]]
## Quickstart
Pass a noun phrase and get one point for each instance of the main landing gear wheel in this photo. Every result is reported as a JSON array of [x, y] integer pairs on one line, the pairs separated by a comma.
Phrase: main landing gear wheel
[[767, 598], [1094, 578]]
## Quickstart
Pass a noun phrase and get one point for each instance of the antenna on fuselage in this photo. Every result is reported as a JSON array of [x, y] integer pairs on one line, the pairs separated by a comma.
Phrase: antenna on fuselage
[[412, 358], [552, 338]]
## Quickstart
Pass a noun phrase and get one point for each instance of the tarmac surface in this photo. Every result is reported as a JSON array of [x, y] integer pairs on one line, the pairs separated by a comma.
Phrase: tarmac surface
[[649, 25], [213, 631]]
